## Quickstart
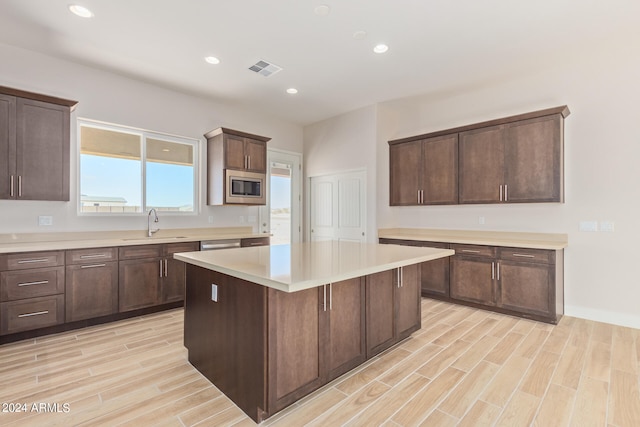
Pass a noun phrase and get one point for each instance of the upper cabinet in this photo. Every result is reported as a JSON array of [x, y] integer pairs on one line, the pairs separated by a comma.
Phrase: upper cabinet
[[238, 150], [34, 146], [516, 159], [424, 172]]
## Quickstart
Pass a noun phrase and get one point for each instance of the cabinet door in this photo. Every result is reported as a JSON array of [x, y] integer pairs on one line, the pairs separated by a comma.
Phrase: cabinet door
[[481, 165], [139, 283], [380, 317], [42, 147], [173, 281], [405, 173], [31, 313], [256, 152], [91, 290], [295, 346], [7, 146], [345, 346], [534, 160], [527, 288], [408, 301], [30, 283], [440, 170], [234, 155], [472, 279]]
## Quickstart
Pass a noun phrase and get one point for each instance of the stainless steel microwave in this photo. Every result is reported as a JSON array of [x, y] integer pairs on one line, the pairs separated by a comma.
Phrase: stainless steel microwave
[[245, 188]]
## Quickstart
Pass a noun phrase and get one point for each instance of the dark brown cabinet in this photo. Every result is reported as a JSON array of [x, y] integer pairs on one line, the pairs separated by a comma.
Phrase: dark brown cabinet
[[91, 283], [517, 159], [527, 282], [148, 275], [34, 146], [31, 291], [254, 241], [513, 163], [393, 307], [233, 150], [424, 172], [434, 275]]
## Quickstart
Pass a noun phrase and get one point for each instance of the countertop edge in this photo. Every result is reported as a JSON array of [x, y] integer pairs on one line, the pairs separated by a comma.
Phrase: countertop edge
[[312, 283], [549, 241]]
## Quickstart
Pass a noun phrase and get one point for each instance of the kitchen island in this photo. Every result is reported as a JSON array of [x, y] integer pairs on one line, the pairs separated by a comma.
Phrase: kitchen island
[[269, 325]]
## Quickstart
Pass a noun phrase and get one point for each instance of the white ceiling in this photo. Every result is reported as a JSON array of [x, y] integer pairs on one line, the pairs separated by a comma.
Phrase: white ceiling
[[435, 45]]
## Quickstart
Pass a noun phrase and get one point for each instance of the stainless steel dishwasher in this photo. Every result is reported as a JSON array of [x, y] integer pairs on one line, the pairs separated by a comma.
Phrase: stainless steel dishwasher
[[213, 245]]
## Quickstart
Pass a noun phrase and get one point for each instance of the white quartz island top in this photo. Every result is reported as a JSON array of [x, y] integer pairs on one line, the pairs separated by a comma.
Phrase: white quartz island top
[[306, 265]]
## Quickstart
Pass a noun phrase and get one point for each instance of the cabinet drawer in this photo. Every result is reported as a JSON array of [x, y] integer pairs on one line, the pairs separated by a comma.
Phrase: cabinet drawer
[[26, 260], [173, 248], [528, 255], [38, 282], [474, 250], [142, 251], [82, 256], [254, 241], [31, 313]]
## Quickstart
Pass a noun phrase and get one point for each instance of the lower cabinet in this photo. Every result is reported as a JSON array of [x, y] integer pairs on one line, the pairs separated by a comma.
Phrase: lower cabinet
[[31, 291], [525, 282], [91, 283], [148, 275]]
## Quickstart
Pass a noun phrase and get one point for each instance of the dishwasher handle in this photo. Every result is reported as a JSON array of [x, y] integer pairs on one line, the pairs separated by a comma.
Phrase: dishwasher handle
[[212, 245]]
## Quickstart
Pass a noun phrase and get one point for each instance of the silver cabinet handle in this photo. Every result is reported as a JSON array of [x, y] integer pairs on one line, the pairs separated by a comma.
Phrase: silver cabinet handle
[[524, 255], [166, 262], [422, 197], [401, 278], [31, 261], [471, 251], [324, 298], [36, 313], [92, 256], [160, 268], [418, 196], [493, 270], [249, 161], [19, 185], [398, 278], [506, 192], [11, 191], [500, 192], [92, 265], [41, 282], [330, 296], [498, 270]]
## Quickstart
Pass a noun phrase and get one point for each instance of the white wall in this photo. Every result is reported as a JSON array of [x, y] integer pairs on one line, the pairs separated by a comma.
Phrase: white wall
[[602, 154], [344, 143], [113, 98]]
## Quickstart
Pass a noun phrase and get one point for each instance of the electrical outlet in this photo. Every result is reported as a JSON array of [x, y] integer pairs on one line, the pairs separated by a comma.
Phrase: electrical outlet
[[481, 220], [590, 226], [45, 220], [210, 219]]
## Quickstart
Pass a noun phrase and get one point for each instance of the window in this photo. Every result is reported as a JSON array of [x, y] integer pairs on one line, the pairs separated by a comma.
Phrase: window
[[126, 171]]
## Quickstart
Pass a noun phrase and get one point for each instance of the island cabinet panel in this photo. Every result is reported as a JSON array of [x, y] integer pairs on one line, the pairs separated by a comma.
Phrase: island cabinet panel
[[346, 337], [393, 307], [227, 338], [295, 346], [434, 275]]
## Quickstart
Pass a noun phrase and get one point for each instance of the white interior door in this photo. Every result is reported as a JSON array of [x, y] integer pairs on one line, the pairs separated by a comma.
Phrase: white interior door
[[338, 207], [281, 216]]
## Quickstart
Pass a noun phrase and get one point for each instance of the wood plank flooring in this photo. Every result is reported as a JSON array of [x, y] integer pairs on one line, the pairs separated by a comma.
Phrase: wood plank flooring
[[465, 367]]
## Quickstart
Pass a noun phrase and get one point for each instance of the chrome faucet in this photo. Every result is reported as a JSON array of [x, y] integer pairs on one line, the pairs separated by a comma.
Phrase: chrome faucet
[[150, 231]]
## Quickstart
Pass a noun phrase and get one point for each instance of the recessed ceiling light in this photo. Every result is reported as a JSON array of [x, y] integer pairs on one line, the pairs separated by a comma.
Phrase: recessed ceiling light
[[292, 91], [212, 60], [381, 48], [322, 10], [81, 11]]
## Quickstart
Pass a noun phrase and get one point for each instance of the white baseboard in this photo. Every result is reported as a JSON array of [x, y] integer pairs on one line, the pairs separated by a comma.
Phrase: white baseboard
[[622, 319]]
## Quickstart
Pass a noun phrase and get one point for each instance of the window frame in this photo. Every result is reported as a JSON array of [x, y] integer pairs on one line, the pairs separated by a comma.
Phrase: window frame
[[144, 135]]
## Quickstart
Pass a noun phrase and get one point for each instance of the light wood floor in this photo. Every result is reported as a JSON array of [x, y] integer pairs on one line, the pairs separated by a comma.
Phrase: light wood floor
[[465, 367]]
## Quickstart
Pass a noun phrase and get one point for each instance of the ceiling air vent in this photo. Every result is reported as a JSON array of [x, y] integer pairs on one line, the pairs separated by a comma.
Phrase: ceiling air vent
[[265, 68]]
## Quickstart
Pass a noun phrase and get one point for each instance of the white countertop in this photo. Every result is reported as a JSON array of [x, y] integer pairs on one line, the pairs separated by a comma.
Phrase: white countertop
[[301, 266], [552, 241], [99, 239]]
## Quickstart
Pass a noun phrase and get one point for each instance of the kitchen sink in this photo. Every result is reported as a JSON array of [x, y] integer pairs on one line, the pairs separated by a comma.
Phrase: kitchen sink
[[154, 238]]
